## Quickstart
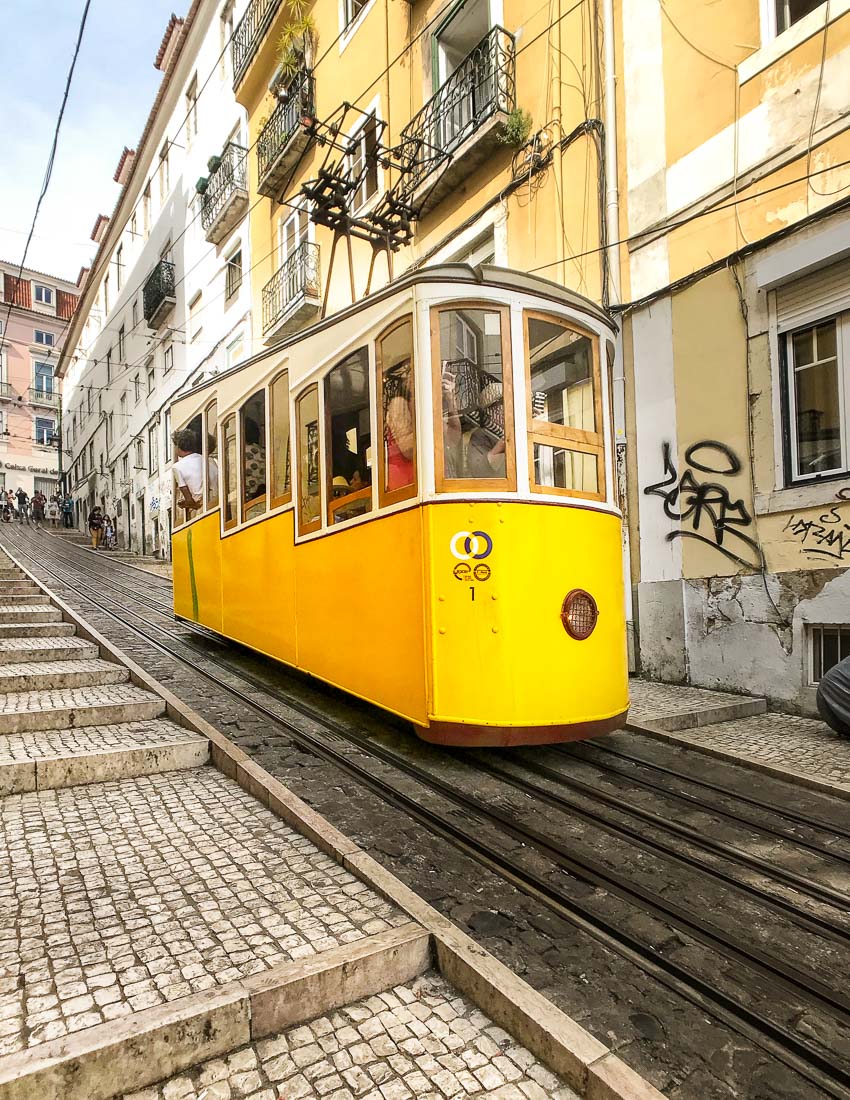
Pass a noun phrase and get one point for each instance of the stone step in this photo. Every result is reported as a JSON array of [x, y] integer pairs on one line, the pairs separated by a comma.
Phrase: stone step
[[37, 630], [15, 598], [49, 759], [44, 675], [61, 708], [30, 613], [20, 586], [28, 650]]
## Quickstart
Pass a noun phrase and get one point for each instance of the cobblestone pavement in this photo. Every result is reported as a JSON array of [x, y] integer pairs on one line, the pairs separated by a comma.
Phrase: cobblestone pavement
[[785, 742], [416, 1042], [653, 702], [124, 895], [44, 744]]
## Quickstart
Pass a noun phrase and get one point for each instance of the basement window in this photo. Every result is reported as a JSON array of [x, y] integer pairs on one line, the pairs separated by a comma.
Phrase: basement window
[[827, 646]]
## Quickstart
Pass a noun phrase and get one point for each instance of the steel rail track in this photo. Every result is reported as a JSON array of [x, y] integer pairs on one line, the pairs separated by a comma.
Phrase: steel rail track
[[783, 1042]]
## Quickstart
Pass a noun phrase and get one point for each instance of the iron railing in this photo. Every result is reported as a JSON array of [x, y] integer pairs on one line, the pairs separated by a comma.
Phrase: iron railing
[[158, 288], [39, 395], [297, 103], [298, 278], [249, 33], [231, 175], [483, 84]]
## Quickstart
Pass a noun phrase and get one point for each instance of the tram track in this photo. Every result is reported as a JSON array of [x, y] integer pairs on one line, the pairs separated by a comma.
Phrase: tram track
[[779, 981]]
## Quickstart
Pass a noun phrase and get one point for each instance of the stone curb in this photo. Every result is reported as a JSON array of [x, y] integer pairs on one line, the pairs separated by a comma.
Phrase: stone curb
[[586, 1064], [790, 775]]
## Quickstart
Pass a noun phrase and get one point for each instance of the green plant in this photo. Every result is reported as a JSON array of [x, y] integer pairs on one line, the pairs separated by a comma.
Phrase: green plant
[[213, 163], [202, 184], [516, 127], [296, 41]]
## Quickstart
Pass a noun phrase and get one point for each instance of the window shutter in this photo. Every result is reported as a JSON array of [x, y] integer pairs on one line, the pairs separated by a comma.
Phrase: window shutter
[[814, 297]]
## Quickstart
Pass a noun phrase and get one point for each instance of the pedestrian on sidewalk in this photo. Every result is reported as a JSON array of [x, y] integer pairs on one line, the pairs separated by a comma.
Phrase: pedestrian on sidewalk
[[108, 533], [38, 502], [23, 500], [68, 511], [96, 527], [53, 511]]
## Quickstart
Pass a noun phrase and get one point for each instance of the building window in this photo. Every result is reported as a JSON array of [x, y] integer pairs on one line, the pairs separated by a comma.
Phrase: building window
[[281, 489], [109, 366], [827, 646], [122, 334], [396, 414], [234, 351], [146, 210], [135, 317], [122, 409], [43, 378], [233, 275], [106, 294], [351, 9], [192, 109], [42, 337], [168, 358], [363, 161], [789, 12], [163, 172], [349, 444], [253, 423], [43, 295], [109, 432], [195, 325], [125, 466], [44, 430], [564, 408], [226, 36], [139, 448], [119, 266], [137, 389], [817, 377], [151, 378], [153, 457], [89, 399]]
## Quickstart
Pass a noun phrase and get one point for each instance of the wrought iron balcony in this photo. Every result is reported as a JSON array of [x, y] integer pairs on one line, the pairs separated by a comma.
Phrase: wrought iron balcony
[[226, 197], [38, 395], [293, 294], [459, 126], [283, 138], [248, 35], [158, 294]]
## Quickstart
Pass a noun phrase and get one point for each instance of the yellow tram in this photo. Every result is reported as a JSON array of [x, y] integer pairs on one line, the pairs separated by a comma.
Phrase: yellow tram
[[413, 500]]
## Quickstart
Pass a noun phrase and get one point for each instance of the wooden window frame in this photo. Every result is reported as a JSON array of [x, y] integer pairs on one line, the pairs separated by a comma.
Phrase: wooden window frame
[[205, 450], [244, 504], [388, 497], [308, 527], [358, 494], [506, 484], [558, 435], [285, 498], [224, 471]]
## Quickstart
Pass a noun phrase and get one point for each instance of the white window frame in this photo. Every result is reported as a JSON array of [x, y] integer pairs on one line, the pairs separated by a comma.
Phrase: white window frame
[[776, 44], [167, 358], [48, 295], [842, 351], [36, 332], [153, 456], [348, 30], [237, 251], [354, 133], [298, 207], [41, 420], [239, 338]]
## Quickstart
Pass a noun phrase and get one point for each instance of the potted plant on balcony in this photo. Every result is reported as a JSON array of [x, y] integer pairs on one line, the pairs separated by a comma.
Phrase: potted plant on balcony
[[212, 164], [296, 45], [516, 127], [202, 184]]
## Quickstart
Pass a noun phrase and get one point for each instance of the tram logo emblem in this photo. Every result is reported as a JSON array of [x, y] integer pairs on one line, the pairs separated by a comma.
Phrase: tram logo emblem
[[471, 544]]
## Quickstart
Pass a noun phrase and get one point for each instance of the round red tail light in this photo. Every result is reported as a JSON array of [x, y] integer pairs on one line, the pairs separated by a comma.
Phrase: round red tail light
[[579, 614]]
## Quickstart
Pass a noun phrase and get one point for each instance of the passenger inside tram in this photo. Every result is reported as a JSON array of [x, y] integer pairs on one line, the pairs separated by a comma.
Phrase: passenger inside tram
[[254, 456], [189, 467], [399, 426], [350, 443]]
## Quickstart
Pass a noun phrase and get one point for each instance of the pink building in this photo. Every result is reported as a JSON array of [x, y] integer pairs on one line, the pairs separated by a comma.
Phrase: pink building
[[34, 316]]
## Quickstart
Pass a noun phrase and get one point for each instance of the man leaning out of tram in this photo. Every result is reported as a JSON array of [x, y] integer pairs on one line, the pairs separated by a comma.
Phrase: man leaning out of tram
[[188, 469]]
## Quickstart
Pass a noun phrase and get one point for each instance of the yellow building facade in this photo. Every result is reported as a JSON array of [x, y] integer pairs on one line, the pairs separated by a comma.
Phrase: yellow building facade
[[734, 179]]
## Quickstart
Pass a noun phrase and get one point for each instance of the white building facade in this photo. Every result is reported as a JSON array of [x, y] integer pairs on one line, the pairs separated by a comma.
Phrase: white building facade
[[167, 301]]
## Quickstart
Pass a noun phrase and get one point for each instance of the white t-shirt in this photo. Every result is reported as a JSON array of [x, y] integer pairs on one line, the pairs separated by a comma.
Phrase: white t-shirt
[[189, 471]]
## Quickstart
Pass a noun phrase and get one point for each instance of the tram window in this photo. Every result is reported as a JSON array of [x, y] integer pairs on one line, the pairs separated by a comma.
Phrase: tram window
[[309, 489], [188, 470], [474, 384], [230, 465], [396, 413], [211, 443], [281, 487], [561, 468], [253, 417], [349, 444], [564, 408]]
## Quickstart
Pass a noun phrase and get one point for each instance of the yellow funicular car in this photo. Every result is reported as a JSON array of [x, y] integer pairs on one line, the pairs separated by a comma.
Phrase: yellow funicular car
[[413, 500]]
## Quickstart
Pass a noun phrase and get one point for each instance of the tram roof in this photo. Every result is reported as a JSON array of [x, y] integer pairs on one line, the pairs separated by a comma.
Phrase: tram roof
[[506, 278]]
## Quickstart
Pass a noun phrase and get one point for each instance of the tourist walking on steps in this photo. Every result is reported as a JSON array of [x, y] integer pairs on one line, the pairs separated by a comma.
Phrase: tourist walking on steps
[[53, 510], [23, 500], [68, 511], [38, 501], [96, 527]]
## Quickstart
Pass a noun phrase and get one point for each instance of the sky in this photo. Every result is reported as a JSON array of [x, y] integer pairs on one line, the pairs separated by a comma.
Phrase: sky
[[112, 91]]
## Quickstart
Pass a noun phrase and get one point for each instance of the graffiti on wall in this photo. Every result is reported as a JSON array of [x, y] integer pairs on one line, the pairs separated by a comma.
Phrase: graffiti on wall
[[824, 536], [704, 507]]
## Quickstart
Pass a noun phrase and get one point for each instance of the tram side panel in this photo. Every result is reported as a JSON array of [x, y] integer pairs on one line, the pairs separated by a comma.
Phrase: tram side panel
[[196, 563], [360, 611], [499, 573], [258, 587]]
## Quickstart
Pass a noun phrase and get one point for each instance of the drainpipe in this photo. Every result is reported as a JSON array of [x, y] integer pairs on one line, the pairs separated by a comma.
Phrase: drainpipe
[[612, 222]]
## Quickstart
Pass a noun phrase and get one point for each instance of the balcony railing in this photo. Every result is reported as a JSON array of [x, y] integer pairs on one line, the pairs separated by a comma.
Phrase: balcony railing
[[6, 391], [158, 293], [276, 145], [226, 195], [40, 396], [482, 86], [293, 290], [249, 34]]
